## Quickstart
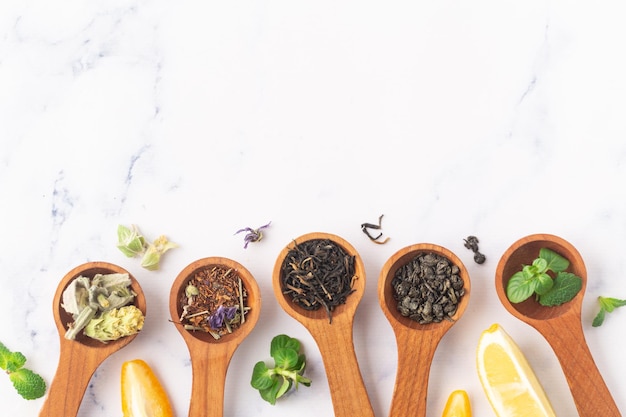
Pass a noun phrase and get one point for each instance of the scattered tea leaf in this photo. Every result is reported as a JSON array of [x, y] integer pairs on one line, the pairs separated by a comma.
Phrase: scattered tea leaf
[[607, 305]]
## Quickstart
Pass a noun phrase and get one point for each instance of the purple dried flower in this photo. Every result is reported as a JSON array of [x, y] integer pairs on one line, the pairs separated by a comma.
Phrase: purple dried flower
[[216, 320], [252, 235]]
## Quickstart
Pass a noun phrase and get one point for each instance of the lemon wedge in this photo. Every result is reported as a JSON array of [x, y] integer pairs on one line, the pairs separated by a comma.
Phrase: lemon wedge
[[509, 382], [458, 405], [142, 393]]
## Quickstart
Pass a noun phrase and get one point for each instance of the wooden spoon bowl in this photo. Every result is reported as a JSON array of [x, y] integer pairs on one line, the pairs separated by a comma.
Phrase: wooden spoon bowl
[[211, 357], [334, 339], [416, 342], [560, 325], [80, 358]]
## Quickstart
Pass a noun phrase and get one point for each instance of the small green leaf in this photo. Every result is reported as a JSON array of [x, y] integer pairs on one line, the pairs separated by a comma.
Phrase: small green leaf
[[520, 287], [566, 286], [599, 318], [610, 304], [13, 361], [262, 376], [540, 265], [286, 358], [283, 388], [28, 384], [544, 283], [269, 394], [283, 341], [554, 261]]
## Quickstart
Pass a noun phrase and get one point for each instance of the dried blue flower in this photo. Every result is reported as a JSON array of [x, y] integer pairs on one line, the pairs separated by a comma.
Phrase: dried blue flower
[[252, 235], [222, 314]]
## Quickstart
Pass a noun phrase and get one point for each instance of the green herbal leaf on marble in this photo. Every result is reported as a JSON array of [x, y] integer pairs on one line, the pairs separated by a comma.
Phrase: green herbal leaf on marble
[[607, 305], [132, 243], [288, 370], [26, 382]]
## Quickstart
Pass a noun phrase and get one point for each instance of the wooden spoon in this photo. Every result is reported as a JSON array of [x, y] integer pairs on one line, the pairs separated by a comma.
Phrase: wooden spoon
[[561, 325], [80, 358], [334, 340], [416, 342], [210, 357]]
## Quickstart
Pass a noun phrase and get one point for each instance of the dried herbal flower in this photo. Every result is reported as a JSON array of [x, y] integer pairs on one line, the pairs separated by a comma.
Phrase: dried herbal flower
[[252, 235], [221, 316], [91, 300], [132, 243]]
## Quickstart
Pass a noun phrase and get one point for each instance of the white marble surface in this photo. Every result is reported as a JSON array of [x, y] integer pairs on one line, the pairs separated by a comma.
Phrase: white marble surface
[[194, 119]]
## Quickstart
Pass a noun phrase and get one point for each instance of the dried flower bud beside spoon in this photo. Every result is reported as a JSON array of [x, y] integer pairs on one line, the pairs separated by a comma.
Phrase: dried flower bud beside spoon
[[131, 243]]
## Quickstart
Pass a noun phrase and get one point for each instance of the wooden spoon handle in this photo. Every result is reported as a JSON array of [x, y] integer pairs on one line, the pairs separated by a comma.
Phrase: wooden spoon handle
[[347, 388], [65, 394], [208, 378], [415, 355], [591, 395]]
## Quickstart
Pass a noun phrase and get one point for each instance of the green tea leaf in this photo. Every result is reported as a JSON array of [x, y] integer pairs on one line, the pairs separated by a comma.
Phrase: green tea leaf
[[520, 287], [566, 286], [554, 261]]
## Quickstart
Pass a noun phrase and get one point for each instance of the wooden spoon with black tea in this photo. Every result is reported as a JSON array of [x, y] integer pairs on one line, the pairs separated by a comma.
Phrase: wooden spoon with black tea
[[560, 325], [80, 358], [416, 342], [334, 339]]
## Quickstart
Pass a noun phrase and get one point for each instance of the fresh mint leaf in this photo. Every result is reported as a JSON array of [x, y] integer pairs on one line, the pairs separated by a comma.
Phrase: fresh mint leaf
[[27, 383], [520, 287], [607, 305], [554, 261], [566, 286], [540, 266], [286, 358], [599, 318], [288, 370], [544, 283], [283, 341]]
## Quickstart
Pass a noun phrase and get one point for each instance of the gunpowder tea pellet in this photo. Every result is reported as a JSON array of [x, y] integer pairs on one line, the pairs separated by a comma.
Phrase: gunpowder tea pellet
[[318, 273], [428, 288]]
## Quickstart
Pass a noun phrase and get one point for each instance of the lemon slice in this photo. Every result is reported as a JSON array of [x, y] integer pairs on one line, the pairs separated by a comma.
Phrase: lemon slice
[[458, 405], [142, 393], [509, 382]]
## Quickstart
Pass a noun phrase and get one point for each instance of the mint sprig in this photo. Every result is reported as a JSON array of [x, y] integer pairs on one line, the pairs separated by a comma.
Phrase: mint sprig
[[289, 365], [607, 305], [535, 280], [27, 383]]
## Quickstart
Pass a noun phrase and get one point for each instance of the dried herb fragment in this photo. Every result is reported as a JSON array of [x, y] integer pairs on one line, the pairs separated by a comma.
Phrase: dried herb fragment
[[252, 235], [26, 382], [90, 301], [366, 226], [131, 243], [214, 301], [428, 288], [471, 243], [318, 273]]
